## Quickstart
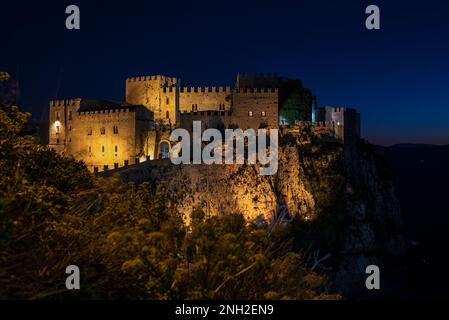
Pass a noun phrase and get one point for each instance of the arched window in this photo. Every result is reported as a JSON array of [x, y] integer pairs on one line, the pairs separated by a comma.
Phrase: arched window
[[167, 115], [165, 150], [115, 129], [116, 149]]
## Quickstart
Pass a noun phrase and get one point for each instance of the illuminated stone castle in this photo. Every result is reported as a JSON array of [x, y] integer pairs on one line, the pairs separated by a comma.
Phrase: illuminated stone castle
[[109, 134]]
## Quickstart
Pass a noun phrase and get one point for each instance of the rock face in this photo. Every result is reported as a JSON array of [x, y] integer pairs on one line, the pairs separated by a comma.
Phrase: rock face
[[340, 195], [374, 234]]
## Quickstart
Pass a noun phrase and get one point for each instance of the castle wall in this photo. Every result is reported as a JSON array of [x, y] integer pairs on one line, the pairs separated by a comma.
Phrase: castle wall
[[153, 140], [346, 122], [255, 108], [205, 98], [94, 140], [209, 119], [61, 115], [148, 91], [168, 106], [85, 128]]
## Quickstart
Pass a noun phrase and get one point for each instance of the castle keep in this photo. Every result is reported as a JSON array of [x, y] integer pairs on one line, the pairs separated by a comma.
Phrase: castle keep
[[109, 134]]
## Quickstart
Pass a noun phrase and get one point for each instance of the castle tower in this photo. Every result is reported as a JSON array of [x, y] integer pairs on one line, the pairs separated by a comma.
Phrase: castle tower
[[158, 93], [61, 115]]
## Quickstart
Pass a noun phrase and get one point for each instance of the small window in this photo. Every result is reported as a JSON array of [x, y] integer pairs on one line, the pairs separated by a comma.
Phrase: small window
[[167, 115], [70, 139], [57, 140], [57, 129], [90, 149], [167, 101], [70, 115], [102, 131], [70, 128], [116, 149], [222, 107], [115, 129], [57, 116], [89, 131], [264, 114], [250, 113], [102, 148]]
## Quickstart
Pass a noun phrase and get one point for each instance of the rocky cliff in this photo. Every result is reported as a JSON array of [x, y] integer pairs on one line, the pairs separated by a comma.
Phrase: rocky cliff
[[338, 200]]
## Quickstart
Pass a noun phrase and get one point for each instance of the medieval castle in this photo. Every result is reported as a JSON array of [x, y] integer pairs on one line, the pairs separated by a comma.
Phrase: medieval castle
[[109, 134]]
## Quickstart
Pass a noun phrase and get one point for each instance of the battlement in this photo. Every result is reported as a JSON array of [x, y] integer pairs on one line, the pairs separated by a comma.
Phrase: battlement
[[324, 124], [319, 124], [207, 89], [166, 89], [337, 109], [65, 102], [152, 78], [256, 90], [205, 113], [106, 111]]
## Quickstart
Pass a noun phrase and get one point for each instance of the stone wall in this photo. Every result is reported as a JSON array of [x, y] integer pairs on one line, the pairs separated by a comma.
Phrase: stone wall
[[107, 137], [148, 91], [255, 108], [205, 98], [209, 119]]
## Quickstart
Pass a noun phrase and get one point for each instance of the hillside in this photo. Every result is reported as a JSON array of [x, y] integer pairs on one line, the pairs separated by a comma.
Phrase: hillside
[[336, 202]]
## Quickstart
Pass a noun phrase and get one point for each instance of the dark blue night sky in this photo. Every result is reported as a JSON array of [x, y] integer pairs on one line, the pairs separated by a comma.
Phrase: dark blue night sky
[[398, 77]]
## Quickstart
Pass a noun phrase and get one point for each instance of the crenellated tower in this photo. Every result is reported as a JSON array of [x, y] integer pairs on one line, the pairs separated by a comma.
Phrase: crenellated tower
[[149, 92]]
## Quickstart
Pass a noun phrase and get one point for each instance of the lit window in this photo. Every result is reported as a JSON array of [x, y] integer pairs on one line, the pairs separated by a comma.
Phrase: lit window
[[264, 114], [102, 130], [250, 113]]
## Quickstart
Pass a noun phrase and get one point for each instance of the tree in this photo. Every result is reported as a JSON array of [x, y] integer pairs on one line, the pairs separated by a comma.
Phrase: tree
[[295, 101]]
